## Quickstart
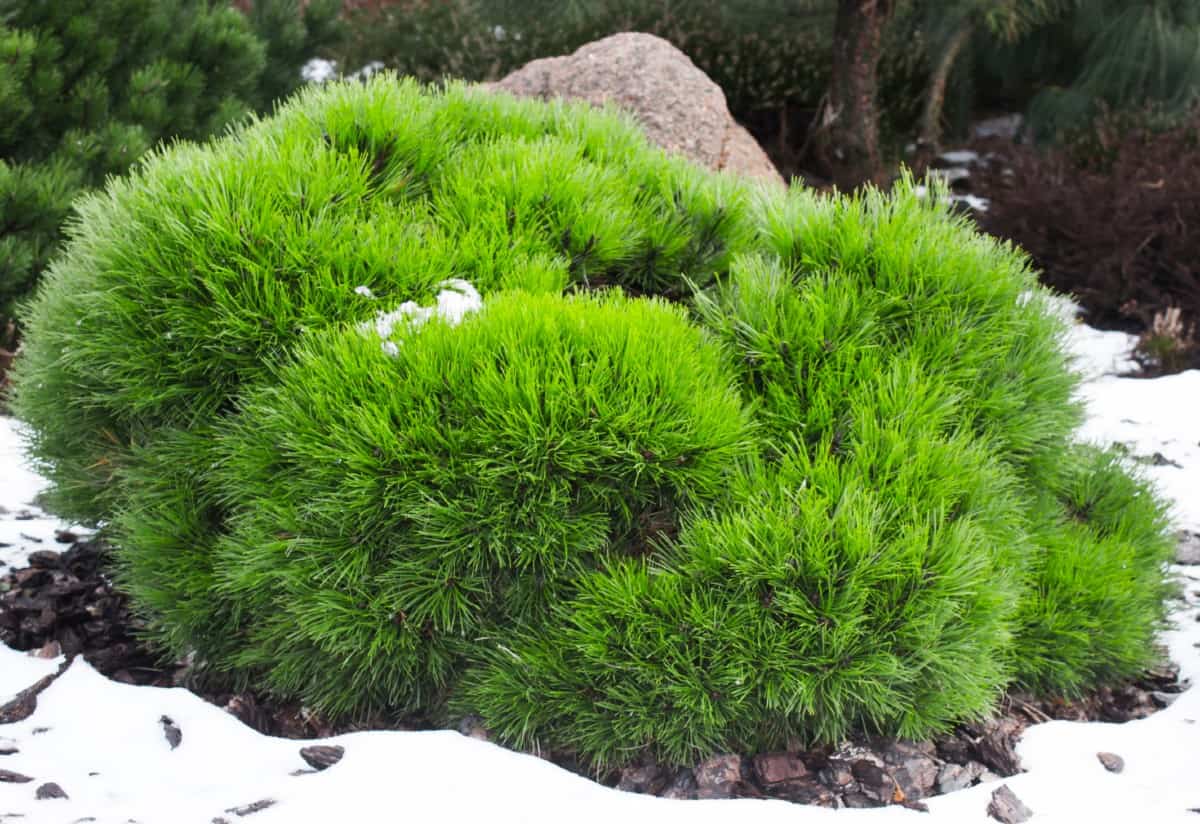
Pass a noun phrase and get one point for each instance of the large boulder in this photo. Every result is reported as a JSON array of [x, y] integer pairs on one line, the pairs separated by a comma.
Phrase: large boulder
[[679, 107]]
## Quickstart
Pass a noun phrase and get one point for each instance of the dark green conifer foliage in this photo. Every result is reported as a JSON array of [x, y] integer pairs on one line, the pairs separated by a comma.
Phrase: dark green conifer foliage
[[88, 87], [293, 33], [831, 489]]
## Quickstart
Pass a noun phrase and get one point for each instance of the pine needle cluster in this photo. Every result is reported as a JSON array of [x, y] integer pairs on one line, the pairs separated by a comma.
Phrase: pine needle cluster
[[708, 467]]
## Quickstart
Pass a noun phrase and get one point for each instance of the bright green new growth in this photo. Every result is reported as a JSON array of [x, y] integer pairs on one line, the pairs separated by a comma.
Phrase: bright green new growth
[[712, 468], [393, 509]]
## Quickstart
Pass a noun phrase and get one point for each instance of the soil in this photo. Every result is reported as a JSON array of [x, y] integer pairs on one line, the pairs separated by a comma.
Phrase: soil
[[63, 603]]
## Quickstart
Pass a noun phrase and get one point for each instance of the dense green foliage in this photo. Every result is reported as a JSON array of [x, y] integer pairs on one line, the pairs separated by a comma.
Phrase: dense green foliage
[[1102, 55], [713, 467], [89, 86]]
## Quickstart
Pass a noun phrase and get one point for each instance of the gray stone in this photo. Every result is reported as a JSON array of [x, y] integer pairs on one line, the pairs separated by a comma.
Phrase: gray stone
[[954, 777], [251, 809], [322, 756], [777, 767], [1006, 127], [1111, 761], [48, 791], [647, 779], [472, 726], [836, 774], [676, 104], [917, 778], [682, 786], [1006, 808], [1188, 549], [1164, 699], [171, 732]]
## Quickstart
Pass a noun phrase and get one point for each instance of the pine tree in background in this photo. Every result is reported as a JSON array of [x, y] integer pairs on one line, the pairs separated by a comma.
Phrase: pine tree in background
[[89, 86], [1138, 55], [951, 28], [293, 32]]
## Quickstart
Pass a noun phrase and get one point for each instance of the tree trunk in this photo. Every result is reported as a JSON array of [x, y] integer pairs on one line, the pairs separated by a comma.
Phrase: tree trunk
[[852, 134], [935, 97]]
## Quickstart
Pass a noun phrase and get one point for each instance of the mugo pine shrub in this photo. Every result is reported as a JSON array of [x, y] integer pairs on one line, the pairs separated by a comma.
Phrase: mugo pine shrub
[[412, 401]]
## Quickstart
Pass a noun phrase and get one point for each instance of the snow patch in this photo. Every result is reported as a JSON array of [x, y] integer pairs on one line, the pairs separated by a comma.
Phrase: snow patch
[[19, 671], [1156, 421], [318, 70], [960, 157], [455, 301], [979, 204]]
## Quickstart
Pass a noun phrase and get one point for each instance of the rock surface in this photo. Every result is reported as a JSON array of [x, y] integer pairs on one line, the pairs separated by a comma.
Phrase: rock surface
[[50, 790], [1111, 761], [322, 756], [1007, 808], [171, 732], [718, 777], [1188, 551], [677, 105]]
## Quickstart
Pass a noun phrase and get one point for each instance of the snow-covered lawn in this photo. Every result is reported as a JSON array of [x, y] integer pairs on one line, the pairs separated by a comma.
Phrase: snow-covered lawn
[[103, 743]]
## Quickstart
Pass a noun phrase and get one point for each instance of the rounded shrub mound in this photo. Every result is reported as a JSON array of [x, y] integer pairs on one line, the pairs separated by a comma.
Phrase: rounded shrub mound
[[428, 402], [399, 503]]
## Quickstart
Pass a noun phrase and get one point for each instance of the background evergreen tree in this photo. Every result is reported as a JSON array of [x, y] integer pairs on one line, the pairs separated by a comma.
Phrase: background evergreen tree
[[1138, 55], [1100, 55], [293, 33], [89, 86], [951, 28]]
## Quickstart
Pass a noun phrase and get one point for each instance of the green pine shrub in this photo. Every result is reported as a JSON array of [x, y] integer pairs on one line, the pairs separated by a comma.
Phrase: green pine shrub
[[462, 484], [435, 401]]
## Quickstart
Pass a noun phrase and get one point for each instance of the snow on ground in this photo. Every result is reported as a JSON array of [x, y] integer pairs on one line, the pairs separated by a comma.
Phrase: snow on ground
[[24, 527], [1158, 421], [103, 742]]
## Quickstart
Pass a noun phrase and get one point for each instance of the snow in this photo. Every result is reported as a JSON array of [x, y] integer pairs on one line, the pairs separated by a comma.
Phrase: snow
[[20, 671], [961, 157], [979, 204], [318, 70], [952, 174], [103, 742], [455, 301], [1154, 417], [24, 527]]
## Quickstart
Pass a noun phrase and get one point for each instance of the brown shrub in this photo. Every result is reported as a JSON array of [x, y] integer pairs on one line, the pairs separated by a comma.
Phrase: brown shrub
[[1114, 221]]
